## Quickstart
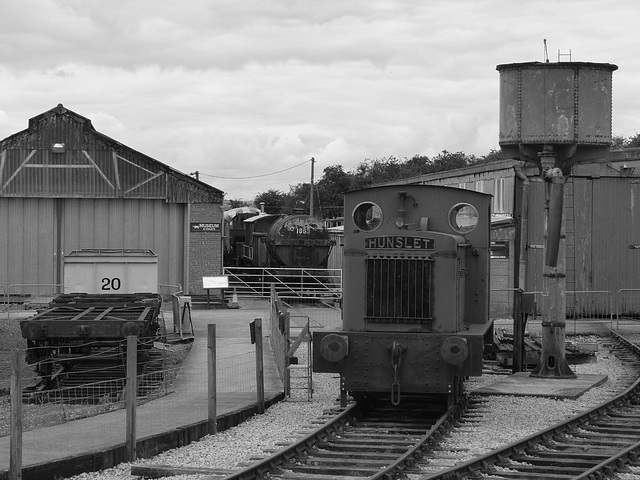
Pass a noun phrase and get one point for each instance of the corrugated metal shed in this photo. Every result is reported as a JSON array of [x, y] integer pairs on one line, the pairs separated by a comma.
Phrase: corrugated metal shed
[[601, 227], [62, 155], [64, 186], [497, 180]]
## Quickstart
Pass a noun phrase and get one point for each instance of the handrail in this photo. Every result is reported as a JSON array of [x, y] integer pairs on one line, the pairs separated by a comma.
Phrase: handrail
[[298, 283], [8, 290], [623, 290]]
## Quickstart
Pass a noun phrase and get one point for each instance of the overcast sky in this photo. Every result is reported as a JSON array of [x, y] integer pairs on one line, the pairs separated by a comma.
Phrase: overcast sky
[[246, 92]]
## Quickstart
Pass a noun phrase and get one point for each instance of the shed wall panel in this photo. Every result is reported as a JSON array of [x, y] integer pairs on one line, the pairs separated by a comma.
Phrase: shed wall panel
[[32, 244], [27, 243], [583, 224], [535, 236], [616, 227], [124, 223]]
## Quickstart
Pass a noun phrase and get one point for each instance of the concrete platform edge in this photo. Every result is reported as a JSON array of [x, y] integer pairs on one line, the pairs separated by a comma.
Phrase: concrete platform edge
[[146, 447]]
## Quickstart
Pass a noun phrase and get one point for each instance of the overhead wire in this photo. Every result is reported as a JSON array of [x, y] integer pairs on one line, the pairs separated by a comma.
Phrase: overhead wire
[[254, 176]]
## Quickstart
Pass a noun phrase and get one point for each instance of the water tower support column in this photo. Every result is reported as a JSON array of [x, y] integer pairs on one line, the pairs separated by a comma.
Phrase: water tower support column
[[553, 358]]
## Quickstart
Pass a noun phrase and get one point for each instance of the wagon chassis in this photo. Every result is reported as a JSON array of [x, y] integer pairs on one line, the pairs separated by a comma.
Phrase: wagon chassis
[[88, 330]]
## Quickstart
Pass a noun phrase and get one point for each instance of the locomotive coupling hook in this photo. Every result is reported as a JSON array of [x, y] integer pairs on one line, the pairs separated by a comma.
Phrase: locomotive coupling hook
[[397, 349]]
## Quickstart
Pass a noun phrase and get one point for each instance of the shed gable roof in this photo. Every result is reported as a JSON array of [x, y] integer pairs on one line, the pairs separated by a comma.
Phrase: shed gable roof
[[61, 154]]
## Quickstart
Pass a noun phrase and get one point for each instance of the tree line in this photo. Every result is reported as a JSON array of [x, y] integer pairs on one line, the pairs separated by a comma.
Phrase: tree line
[[329, 189]]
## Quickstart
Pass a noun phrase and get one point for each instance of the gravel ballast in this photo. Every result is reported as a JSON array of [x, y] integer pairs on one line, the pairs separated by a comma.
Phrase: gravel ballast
[[504, 420]]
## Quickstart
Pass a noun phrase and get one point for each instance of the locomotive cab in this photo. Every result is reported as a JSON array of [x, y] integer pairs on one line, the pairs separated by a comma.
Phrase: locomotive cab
[[416, 288]]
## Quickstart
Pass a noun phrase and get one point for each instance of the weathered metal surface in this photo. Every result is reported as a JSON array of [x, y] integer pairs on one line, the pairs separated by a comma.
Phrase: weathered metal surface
[[616, 226], [62, 155], [40, 230], [566, 102], [27, 242]]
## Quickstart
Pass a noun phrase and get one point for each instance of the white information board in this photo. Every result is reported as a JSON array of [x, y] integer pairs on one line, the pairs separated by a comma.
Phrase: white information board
[[215, 282]]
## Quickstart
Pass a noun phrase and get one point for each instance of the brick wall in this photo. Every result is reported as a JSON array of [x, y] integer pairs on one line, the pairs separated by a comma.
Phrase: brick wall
[[205, 245]]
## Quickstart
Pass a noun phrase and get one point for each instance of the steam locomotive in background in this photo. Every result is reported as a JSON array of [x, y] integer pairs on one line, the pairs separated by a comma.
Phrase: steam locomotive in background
[[415, 317], [268, 240]]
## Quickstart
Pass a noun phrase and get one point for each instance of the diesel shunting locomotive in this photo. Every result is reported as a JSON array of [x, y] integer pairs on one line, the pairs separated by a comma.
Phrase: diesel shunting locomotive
[[415, 317]]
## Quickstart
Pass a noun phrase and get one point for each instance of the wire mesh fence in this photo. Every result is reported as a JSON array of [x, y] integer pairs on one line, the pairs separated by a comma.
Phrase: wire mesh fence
[[47, 405]]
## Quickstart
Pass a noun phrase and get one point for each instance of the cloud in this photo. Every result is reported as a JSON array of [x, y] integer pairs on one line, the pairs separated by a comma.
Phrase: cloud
[[241, 89]]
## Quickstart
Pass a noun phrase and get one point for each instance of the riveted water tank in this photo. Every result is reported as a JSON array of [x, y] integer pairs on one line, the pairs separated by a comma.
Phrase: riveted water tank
[[564, 103]]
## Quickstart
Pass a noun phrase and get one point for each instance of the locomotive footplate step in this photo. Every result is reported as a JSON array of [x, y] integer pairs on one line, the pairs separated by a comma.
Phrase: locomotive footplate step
[[523, 384]]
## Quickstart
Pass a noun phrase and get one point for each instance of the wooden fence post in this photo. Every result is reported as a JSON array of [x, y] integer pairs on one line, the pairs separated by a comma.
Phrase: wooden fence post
[[259, 364], [15, 455], [211, 379], [287, 359], [131, 390]]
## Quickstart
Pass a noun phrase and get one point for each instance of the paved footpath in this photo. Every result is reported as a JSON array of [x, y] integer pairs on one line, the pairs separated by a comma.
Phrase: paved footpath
[[99, 442]]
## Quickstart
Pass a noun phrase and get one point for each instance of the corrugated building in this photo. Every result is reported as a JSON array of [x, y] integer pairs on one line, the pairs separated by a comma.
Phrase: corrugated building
[[602, 228], [64, 186]]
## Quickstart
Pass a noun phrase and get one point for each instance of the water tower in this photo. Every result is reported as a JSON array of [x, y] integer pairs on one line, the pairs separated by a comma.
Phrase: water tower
[[555, 115]]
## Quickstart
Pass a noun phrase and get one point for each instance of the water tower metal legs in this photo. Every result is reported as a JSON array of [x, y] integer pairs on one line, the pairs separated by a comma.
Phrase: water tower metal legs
[[553, 359]]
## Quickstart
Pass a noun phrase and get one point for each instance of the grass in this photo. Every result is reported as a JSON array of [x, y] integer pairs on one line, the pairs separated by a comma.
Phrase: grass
[[42, 415]]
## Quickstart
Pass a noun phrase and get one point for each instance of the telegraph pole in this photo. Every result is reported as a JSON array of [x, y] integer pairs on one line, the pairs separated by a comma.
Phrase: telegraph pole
[[313, 161]]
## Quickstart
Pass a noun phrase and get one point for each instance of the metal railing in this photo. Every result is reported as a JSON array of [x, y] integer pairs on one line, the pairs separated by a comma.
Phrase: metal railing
[[29, 289], [628, 303], [592, 304], [290, 283]]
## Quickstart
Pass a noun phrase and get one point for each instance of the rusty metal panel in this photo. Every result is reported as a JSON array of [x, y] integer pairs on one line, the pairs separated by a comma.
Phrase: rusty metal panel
[[125, 223], [581, 262], [616, 230], [509, 114], [547, 106], [78, 173], [547, 103], [594, 93], [27, 242], [62, 155], [535, 236]]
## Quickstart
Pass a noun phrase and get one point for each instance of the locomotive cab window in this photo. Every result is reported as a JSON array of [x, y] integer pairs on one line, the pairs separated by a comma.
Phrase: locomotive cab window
[[463, 218], [367, 216]]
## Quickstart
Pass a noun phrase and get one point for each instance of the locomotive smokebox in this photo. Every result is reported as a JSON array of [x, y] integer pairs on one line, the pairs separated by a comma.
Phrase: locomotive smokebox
[[564, 104]]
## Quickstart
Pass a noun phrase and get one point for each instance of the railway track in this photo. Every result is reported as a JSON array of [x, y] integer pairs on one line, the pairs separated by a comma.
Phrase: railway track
[[373, 440], [593, 445], [381, 443]]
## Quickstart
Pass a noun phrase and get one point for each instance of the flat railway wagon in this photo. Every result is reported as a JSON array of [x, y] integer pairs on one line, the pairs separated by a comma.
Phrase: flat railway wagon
[[415, 315], [90, 323]]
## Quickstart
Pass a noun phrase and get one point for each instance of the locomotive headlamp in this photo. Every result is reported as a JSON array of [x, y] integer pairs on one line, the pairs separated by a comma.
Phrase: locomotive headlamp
[[334, 348], [455, 350]]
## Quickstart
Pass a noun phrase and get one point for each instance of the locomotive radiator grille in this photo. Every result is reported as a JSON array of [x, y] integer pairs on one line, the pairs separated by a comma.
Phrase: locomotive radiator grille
[[398, 290]]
